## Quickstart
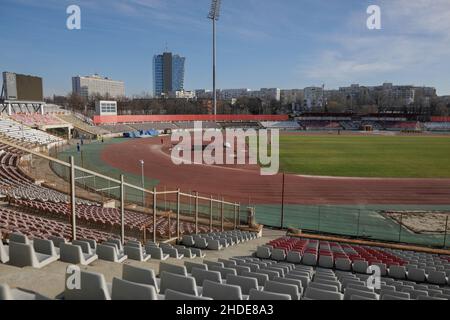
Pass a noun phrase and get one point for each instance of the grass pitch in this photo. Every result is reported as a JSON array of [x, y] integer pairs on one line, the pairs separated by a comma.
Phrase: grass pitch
[[366, 156]]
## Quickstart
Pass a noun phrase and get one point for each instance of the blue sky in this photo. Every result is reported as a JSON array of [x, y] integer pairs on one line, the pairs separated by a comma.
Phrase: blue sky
[[261, 43]]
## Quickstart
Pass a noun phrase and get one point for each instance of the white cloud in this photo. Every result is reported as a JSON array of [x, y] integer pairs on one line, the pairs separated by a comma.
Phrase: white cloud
[[415, 36]]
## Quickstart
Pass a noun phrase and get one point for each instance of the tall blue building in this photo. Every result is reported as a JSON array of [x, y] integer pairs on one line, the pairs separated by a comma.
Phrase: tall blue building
[[168, 73]]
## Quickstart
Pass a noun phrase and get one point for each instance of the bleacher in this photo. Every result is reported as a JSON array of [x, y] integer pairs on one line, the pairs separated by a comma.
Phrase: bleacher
[[283, 125], [241, 125], [117, 128], [190, 125], [283, 269], [83, 126], [159, 126], [320, 125], [37, 120], [21, 133], [437, 126]]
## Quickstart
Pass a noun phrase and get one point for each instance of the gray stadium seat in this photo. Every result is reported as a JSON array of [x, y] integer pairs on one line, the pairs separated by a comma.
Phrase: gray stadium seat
[[245, 283], [190, 265], [261, 277], [126, 290], [295, 282], [24, 255], [156, 253], [263, 252], [417, 275], [46, 247], [6, 293], [435, 277], [278, 255], [178, 283], [343, 264], [18, 238], [397, 272], [317, 294], [172, 268], [92, 287], [201, 275], [73, 254], [326, 261], [350, 292], [224, 272], [136, 253], [267, 296], [139, 275], [109, 253], [179, 296], [277, 287], [294, 257], [310, 259], [360, 266], [219, 291]]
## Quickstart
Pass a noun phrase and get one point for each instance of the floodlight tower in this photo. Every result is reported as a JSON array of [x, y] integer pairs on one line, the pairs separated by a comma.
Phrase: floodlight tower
[[214, 14]]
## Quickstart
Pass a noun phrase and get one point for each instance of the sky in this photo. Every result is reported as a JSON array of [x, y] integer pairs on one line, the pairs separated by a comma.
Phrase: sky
[[261, 43]]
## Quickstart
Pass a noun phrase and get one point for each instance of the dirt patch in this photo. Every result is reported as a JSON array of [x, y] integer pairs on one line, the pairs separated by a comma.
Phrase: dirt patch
[[421, 222]]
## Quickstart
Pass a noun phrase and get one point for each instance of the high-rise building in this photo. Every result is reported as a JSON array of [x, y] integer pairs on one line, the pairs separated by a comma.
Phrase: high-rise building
[[168, 73], [96, 85]]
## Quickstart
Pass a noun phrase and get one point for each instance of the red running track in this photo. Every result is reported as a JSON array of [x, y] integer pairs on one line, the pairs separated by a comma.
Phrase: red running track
[[239, 184]]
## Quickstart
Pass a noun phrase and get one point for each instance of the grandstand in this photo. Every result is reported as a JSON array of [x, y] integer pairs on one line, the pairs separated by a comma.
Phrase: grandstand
[[83, 127], [283, 125], [15, 131]]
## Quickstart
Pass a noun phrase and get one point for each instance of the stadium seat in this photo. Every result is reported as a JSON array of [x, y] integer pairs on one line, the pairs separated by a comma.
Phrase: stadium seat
[[179, 296], [190, 265], [397, 272], [201, 275], [262, 278], [156, 253], [263, 252], [18, 238], [139, 275], [267, 296], [6, 293], [177, 282], [417, 275], [92, 286], [435, 277], [46, 247], [283, 288], [73, 254], [219, 291], [294, 257], [24, 255], [136, 252], [278, 255], [110, 253], [126, 290], [246, 283], [224, 272], [317, 294], [172, 268]]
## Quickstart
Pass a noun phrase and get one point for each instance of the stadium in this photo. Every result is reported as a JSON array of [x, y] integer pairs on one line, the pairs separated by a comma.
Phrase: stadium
[[95, 206], [121, 198]]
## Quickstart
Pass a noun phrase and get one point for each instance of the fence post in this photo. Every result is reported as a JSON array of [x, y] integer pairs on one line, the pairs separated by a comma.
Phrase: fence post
[[235, 216], [445, 234], [359, 218], [178, 214], [221, 215], [196, 212], [239, 215], [73, 199], [319, 218], [154, 215], [122, 209], [211, 215], [400, 231], [282, 203]]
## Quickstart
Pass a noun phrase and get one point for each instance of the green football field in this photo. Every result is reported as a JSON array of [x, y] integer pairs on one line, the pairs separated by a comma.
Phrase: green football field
[[366, 156]]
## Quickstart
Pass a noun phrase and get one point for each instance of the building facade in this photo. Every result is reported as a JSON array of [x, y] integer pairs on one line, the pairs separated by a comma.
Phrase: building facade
[[168, 74], [96, 85]]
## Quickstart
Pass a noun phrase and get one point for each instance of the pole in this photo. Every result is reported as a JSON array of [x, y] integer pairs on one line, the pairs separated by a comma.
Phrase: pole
[[445, 234], [214, 67], [235, 216], [154, 215], [196, 213], [178, 214], [221, 215], [211, 215], [400, 231], [72, 198], [122, 209], [282, 203], [239, 215], [143, 184]]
